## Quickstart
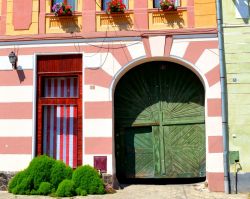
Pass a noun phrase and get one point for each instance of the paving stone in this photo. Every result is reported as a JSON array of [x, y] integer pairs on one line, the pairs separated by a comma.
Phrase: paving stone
[[191, 191]]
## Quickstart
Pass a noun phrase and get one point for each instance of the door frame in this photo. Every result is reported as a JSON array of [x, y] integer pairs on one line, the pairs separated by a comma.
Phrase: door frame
[[35, 102]]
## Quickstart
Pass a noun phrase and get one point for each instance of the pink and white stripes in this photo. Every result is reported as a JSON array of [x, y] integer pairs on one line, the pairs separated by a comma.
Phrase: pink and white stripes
[[59, 127], [60, 133], [60, 87]]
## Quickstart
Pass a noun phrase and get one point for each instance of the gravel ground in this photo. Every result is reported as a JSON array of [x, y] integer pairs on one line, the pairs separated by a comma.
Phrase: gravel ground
[[192, 191]]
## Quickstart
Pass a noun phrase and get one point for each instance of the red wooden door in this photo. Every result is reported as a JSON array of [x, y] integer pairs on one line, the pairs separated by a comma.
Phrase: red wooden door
[[59, 107]]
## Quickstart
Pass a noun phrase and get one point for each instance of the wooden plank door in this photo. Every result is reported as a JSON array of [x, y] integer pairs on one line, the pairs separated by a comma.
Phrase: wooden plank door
[[138, 149], [162, 107]]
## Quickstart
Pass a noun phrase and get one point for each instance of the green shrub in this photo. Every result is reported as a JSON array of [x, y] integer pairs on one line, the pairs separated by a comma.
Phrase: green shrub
[[45, 188], [66, 188], [34, 192], [81, 192], [45, 175], [24, 187], [17, 179], [40, 169], [28, 181], [59, 172], [87, 178]]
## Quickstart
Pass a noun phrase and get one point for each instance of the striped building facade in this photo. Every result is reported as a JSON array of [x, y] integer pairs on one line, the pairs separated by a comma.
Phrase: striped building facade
[[60, 100]]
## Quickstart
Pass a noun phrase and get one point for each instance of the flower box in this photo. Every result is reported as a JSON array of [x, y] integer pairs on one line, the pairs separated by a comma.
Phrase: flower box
[[60, 9], [168, 5], [115, 6]]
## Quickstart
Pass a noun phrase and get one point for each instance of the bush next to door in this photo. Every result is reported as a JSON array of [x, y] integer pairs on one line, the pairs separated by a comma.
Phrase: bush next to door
[[42, 176], [29, 180], [86, 178], [45, 188], [46, 176], [66, 189], [59, 172]]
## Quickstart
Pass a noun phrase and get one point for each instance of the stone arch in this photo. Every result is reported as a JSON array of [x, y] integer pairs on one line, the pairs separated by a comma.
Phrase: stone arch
[[212, 116]]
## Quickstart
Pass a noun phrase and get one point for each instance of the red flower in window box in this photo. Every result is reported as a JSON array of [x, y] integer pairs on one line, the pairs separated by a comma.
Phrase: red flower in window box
[[167, 5], [60, 9], [115, 6]]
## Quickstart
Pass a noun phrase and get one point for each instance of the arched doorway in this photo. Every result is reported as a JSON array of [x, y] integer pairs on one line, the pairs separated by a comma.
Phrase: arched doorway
[[159, 123]]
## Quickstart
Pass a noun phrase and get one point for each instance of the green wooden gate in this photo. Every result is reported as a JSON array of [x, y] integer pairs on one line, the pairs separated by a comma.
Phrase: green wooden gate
[[159, 123]]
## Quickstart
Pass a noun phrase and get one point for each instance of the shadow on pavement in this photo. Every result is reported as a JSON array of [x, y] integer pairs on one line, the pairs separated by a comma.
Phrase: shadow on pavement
[[163, 181]]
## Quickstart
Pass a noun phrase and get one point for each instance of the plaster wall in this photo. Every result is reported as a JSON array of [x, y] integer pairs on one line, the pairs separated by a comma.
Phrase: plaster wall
[[205, 13], [0, 7], [236, 42], [11, 20]]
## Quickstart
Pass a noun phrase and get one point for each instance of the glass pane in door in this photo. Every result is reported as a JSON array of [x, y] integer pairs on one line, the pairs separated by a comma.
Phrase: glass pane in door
[[60, 133], [60, 87]]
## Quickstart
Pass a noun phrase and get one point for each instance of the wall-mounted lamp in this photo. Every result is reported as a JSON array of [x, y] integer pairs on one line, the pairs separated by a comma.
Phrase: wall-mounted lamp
[[13, 60]]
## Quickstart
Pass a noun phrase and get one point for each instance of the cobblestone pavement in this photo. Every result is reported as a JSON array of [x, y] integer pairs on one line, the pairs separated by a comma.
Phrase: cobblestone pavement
[[192, 191]]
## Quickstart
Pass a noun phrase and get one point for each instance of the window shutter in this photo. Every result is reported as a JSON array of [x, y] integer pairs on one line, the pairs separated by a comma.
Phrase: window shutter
[[241, 9]]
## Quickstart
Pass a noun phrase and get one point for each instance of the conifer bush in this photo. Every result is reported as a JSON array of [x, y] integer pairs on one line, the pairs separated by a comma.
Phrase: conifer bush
[[45, 188], [59, 172], [87, 178], [28, 181], [66, 188], [81, 192], [24, 187], [46, 176], [16, 180], [40, 169]]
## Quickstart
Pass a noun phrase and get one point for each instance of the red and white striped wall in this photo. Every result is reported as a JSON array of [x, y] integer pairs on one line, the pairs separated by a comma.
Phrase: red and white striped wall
[[15, 120], [103, 67], [200, 55]]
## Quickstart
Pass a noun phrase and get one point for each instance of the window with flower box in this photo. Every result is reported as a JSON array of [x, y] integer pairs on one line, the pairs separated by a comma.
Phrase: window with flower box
[[72, 3], [159, 3], [105, 3], [59, 108]]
